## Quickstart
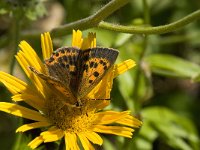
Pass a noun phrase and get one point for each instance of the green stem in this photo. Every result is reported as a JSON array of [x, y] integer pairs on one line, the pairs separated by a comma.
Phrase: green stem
[[62, 144], [146, 12], [96, 21], [18, 138], [144, 48], [91, 21], [152, 30], [15, 34], [138, 75]]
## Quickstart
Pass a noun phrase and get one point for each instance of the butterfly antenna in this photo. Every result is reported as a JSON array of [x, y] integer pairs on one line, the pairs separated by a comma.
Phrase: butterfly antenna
[[101, 99]]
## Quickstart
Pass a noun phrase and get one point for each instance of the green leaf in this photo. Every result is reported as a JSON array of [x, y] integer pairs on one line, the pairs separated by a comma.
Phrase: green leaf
[[3, 11], [108, 145], [168, 65], [175, 130], [33, 11]]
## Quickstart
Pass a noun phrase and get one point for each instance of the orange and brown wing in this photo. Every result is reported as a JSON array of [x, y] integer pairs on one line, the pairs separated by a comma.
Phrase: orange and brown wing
[[94, 65]]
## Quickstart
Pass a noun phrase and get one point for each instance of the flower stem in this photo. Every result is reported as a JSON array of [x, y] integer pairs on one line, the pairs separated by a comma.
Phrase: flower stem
[[16, 36], [152, 30], [62, 144], [139, 71], [96, 20], [91, 21]]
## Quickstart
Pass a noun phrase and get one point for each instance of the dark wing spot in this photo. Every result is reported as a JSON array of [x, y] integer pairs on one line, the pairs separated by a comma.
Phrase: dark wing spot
[[60, 59], [95, 65], [63, 65], [96, 74], [101, 62], [90, 81], [73, 73], [62, 51], [85, 67], [67, 65], [65, 58], [104, 63], [51, 59], [70, 60], [57, 54], [105, 67], [91, 64]]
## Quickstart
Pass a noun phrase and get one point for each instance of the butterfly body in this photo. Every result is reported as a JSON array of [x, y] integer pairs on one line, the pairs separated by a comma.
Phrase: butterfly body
[[75, 72]]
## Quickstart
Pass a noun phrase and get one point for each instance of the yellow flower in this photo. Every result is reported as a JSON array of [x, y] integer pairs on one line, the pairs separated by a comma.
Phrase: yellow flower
[[60, 121]]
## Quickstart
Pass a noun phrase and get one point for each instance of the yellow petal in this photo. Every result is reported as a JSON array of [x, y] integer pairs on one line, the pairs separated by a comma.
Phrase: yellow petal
[[18, 87], [123, 67], [36, 142], [89, 42], [31, 56], [31, 126], [71, 141], [39, 83], [77, 39], [108, 117], [85, 142], [52, 135], [33, 99], [12, 83], [94, 137], [116, 130], [130, 121], [47, 46], [21, 111]]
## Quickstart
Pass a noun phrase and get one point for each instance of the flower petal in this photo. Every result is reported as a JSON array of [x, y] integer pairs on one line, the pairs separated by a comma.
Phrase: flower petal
[[116, 130], [77, 39], [108, 117], [36, 142], [13, 84], [94, 137], [31, 56], [71, 141], [124, 118], [21, 111], [123, 67], [31, 126], [85, 142], [89, 42], [52, 135], [47, 46], [33, 99], [18, 87], [130, 121], [24, 63]]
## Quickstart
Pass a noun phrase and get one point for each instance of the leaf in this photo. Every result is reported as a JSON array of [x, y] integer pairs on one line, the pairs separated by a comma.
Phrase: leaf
[[168, 65], [3, 11], [35, 10], [175, 130]]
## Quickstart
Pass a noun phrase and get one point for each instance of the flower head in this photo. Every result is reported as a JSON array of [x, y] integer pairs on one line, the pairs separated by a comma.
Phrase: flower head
[[84, 123]]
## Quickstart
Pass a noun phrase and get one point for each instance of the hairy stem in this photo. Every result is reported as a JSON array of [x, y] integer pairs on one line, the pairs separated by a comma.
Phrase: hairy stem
[[152, 30], [91, 21]]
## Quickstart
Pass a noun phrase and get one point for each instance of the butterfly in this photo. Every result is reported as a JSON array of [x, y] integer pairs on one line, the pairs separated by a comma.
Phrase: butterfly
[[75, 72]]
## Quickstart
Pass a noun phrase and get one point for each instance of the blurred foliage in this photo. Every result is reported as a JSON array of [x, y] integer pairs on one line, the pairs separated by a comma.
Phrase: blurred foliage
[[162, 90]]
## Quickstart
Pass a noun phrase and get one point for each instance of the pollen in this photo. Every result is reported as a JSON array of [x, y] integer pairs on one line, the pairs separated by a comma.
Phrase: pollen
[[71, 119]]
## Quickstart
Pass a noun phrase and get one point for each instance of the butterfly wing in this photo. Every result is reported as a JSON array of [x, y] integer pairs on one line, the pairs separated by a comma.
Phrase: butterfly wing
[[94, 65], [68, 98], [62, 65]]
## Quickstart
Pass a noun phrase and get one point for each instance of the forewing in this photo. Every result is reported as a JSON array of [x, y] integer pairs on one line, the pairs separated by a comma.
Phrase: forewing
[[95, 64], [56, 85], [62, 65]]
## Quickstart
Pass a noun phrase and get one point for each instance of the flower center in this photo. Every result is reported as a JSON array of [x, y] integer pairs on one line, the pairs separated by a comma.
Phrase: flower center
[[68, 118]]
